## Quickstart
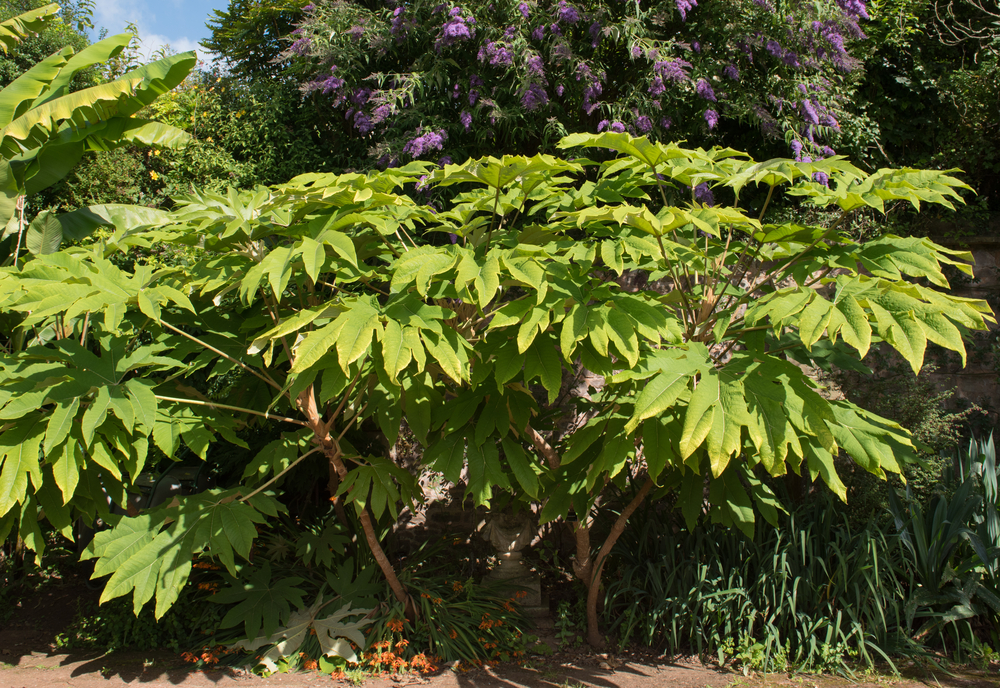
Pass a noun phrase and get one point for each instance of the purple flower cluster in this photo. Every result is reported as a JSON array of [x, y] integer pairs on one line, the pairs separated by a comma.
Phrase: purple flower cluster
[[466, 119], [361, 96], [704, 90], [809, 111], [360, 119], [431, 141], [644, 124], [712, 118], [821, 178], [475, 83], [496, 53], [524, 10], [399, 23], [703, 194], [672, 70], [534, 97], [381, 113], [567, 13], [592, 90], [854, 8], [301, 46], [616, 127], [455, 30], [327, 85], [535, 66], [596, 34], [539, 32], [731, 72], [685, 6]]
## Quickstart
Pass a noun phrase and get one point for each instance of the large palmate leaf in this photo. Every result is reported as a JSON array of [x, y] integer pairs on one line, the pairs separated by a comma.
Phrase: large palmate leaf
[[150, 555], [334, 634], [261, 603]]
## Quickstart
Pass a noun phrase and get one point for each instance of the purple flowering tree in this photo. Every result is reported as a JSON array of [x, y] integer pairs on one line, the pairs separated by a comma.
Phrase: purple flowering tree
[[422, 80]]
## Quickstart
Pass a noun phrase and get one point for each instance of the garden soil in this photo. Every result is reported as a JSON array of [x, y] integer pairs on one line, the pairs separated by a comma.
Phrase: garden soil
[[28, 660]]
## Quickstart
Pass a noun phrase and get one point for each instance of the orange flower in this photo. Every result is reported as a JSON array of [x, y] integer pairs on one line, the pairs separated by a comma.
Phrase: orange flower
[[402, 643], [395, 625], [311, 665], [457, 586], [453, 634]]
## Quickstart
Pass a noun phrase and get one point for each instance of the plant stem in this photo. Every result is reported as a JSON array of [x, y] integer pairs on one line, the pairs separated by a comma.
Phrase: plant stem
[[496, 202], [212, 404], [226, 356], [338, 472], [289, 467], [594, 636]]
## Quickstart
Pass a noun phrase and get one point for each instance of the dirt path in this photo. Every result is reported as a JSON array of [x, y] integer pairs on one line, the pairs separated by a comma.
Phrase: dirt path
[[28, 660], [157, 670]]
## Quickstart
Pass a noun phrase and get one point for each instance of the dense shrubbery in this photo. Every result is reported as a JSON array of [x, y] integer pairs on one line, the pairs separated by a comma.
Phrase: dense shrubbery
[[813, 594], [428, 80], [344, 307]]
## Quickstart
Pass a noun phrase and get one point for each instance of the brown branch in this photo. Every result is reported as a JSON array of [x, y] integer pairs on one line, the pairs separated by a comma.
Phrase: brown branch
[[543, 447], [594, 636]]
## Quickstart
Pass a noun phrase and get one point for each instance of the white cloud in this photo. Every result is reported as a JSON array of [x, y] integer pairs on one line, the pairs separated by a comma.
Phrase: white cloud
[[116, 15], [153, 42]]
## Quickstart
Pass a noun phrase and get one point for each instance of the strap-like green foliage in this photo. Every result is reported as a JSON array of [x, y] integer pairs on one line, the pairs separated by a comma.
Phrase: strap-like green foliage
[[590, 322], [16, 29], [45, 129]]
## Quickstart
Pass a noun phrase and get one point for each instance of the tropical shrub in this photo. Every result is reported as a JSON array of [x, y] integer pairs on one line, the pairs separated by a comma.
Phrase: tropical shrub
[[562, 326]]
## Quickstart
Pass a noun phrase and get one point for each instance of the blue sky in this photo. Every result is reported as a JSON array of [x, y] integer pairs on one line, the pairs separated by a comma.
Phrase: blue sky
[[178, 23]]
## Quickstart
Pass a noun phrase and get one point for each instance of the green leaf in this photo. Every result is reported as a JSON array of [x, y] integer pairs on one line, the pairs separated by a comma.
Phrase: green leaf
[[716, 415], [660, 392], [520, 466], [354, 340], [542, 361], [315, 345], [447, 456], [143, 402], [95, 414], [19, 451], [65, 469], [60, 423], [262, 604]]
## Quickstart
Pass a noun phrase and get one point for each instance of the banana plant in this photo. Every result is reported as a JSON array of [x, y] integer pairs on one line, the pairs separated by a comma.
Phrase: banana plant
[[593, 323], [45, 129]]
